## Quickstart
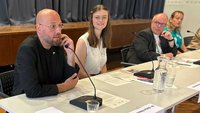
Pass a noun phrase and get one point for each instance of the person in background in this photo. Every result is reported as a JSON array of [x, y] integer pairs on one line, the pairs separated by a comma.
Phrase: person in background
[[91, 46], [195, 42], [174, 26], [152, 42], [44, 67]]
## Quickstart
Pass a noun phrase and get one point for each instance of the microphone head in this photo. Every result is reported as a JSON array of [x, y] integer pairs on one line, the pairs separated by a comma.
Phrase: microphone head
[[188, 31], [66, 46]]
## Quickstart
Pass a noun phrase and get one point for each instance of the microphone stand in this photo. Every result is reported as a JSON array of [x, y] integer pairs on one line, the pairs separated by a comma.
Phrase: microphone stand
[[81, 102]]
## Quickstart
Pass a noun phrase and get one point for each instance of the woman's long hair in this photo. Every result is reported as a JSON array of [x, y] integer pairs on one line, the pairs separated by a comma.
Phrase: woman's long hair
[[106, 32], [171, 25]]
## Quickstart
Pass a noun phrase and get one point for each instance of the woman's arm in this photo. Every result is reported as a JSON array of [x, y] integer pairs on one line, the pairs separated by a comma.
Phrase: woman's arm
[[81, 52], [183, 47], [104, 69]]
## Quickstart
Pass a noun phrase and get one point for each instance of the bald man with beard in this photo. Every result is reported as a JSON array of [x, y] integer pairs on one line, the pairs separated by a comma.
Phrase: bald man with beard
[[44, 67]]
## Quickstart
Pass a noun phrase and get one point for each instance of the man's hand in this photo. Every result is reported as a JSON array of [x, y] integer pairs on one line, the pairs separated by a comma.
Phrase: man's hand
[[169, 55], [68, 83], [167, 35], [70, 50], [67, 41]]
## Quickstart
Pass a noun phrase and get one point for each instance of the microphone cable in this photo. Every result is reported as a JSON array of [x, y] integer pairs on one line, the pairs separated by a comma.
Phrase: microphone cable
[[66, 46]]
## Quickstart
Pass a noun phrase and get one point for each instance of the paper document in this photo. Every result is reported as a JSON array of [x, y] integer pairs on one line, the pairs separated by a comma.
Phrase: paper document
[[49, 110], [110, 100], [187, 62], [149, 108], [110, 79]]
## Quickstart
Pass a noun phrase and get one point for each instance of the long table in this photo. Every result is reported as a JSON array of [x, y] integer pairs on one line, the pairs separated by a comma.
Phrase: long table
[[132, 94]]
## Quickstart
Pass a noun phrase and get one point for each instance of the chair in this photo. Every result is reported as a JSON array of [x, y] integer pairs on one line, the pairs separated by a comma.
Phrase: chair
[[187, 40], [124, 53], [6, 68], [6, 82]]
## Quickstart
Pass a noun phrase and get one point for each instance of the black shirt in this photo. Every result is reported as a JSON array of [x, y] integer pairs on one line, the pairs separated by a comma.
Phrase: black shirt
[[38, 70]]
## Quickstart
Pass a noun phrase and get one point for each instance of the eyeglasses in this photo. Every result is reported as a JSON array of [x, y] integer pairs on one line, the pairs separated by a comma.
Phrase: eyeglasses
[[159, 24], [54, 26]]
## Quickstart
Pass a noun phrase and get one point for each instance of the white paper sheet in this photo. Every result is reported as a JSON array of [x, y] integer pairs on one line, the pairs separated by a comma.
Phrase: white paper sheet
[[108, 78], [49, 110], [110, 100], [149, 108]]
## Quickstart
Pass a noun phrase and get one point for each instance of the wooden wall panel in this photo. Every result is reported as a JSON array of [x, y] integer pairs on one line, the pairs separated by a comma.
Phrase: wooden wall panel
[[5, 50], [16, 41], [12, 36]]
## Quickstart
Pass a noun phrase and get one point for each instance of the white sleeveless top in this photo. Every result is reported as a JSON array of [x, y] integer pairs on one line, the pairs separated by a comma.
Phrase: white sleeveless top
[[96, 58]]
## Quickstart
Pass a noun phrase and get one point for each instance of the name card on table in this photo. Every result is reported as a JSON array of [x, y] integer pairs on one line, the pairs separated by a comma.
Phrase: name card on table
[[149, 108], [196, 86], [49, 110]]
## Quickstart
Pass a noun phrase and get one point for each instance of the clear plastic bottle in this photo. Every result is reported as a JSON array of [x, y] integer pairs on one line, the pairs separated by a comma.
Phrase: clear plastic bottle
[[160, 75]]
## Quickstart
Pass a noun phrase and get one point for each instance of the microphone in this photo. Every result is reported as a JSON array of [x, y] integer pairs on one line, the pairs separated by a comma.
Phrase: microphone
[[196, 35], [146, 73], [81, 102]]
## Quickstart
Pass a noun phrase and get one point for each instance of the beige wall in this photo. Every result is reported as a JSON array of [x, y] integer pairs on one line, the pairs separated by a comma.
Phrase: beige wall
[[191, 8]]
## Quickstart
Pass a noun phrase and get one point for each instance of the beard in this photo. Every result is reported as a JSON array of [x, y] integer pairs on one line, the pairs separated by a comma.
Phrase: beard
[[56, 41], [53, 41]]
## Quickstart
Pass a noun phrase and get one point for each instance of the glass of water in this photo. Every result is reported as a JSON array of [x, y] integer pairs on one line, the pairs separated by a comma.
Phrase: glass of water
[[171, 73]]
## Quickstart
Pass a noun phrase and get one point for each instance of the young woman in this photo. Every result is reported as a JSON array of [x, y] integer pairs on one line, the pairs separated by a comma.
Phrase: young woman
[[174, 26], [91, 46]]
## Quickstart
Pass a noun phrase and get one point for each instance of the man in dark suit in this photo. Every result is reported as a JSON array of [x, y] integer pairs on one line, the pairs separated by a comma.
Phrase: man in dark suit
[[152, 42]]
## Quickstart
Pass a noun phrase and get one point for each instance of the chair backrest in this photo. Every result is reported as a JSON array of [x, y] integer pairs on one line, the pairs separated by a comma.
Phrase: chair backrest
[[187, 40], [7, 68], [124, 53], [6, 82]]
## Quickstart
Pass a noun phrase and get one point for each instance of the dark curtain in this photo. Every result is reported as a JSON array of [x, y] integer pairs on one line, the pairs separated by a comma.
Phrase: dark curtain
[[142, 9], [157, 7], [116, 13], [145, 9], [76, 10], [41, 4], [130, 9], [14, 12], [139, 9], [21, 11], [4, 20]]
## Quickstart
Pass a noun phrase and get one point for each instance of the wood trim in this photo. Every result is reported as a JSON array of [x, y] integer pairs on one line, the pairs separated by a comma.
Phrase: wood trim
[[12, 36]]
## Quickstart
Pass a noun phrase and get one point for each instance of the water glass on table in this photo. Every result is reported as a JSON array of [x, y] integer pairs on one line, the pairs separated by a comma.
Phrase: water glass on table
[[92, 106], [171, 73]]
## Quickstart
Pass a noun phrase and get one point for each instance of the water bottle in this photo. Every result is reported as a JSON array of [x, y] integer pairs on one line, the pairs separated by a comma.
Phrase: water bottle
[[160, 75]]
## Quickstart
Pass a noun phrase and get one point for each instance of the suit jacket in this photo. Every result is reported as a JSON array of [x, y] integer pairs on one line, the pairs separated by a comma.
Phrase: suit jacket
[[143, 48]]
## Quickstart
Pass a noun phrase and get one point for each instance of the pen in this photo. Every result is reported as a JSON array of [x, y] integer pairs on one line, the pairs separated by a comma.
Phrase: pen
[[183, 64]]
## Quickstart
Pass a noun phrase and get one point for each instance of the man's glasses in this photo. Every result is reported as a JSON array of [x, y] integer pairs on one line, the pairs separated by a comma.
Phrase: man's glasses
[[54, 26], [159, 24]]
